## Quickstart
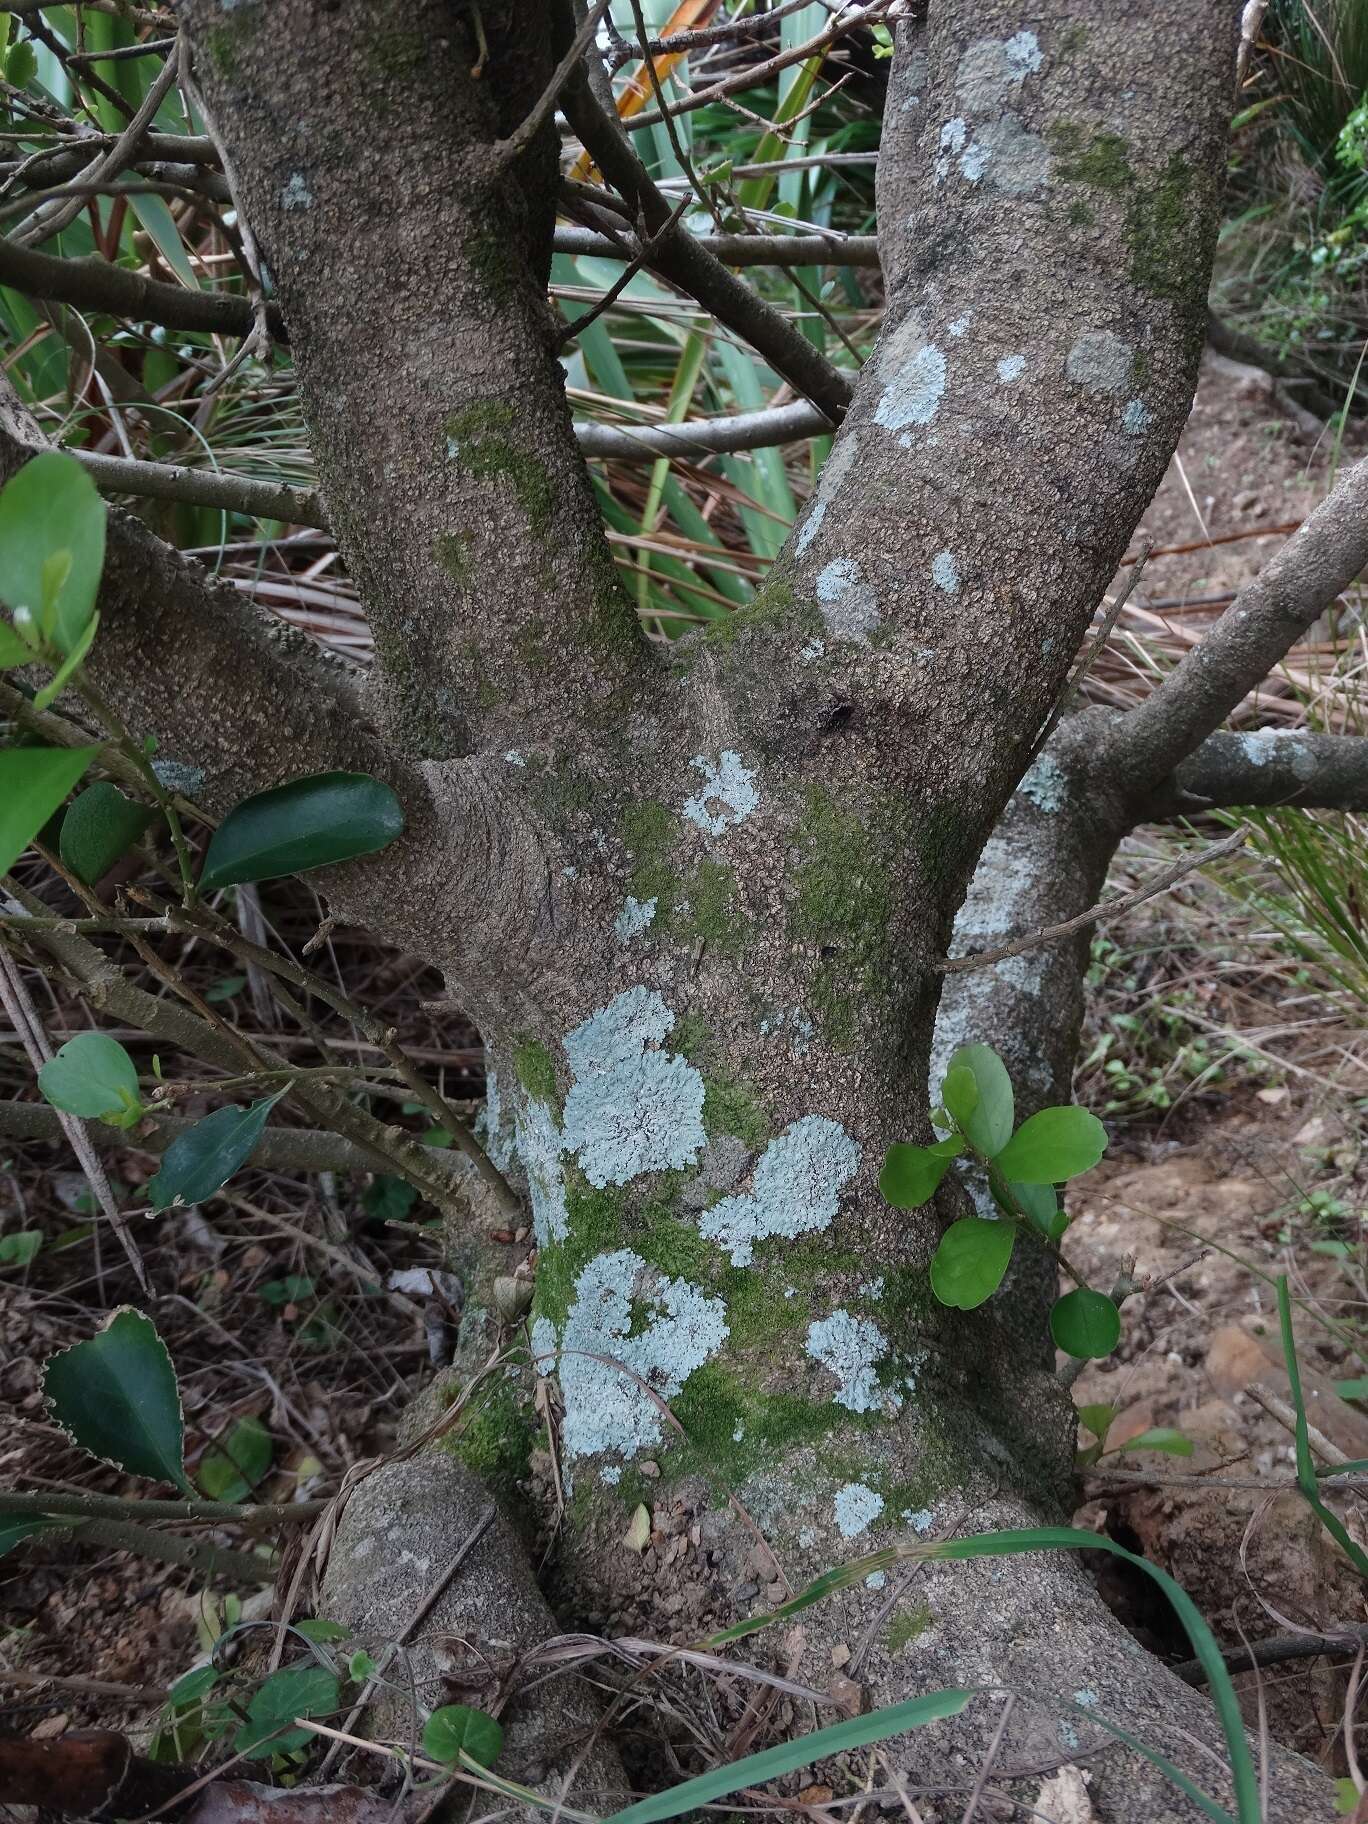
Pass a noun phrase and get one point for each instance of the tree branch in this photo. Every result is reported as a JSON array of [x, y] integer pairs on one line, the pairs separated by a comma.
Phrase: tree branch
[[95, 285], [1265, 620], [1267, 767], [697, 438], [203, 488], [740, 249], [280, 1149], [681, 259]]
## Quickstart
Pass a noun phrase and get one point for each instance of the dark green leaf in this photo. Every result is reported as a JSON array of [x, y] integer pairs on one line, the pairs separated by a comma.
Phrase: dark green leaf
[[1056, 1144], [100, 825], [1039, 1205], [230, 1469], [33, 782], [911, 1173], [194, 1686], [93, 1076], [989, 1127], [1353, 1390], [116, 1396], [309, 823], [1162, 1438], [49, 507], [19, 1249], [1086, 1324], [971, 1260], [297, 1691], [225, 988], [200, 1162], [456, 1728], [388, 1199], [787, 1757], [15, 1528], [287, 1291]]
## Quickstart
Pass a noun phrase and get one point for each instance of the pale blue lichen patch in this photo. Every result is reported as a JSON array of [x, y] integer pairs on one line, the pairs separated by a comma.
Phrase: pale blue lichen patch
[[659, 1329], [850, 1348], [857, 1508], [1046, 784], [634, 917], [873, 1288], [921, 1521], [914, 374], [540, 1144], [1087, 1698], [847, 602], [812, 649], [960, 326], [1135, 419], [787, 1020], [952, 139], [619, 1032], [796, 1188], [514, 758], [1261, 745], [176, 776], [641, 1116], [833, 478], [1011, 368], [295, 193], [1100, 362], [945, 572], [876, 1580], [975, 159], [611, 1473], [729, 786], [1015, 160], [1068, 1735], [991, 69]]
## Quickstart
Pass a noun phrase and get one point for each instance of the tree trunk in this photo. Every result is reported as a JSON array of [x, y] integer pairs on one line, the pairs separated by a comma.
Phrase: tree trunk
[[697, 899]]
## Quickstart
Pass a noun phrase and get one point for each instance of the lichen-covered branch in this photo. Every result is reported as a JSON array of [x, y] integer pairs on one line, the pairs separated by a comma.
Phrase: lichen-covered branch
[[1267, 766], [1267, 618]]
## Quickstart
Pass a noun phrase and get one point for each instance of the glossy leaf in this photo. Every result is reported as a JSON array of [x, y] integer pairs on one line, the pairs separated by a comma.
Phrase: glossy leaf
[[318, 1628], [309, 823], [200, 1162], [297, 1691], [1056, 1144], [100, 826], [457, 1729], [1039, 1205], [911, 1174], [989, 1126], [969, 1263], [787, 1757], [49, 507], [231, 1468], [33, 783], [116, 1396], [1098, 1419], [94, 1077], [959, 1093], [1086, 1324]]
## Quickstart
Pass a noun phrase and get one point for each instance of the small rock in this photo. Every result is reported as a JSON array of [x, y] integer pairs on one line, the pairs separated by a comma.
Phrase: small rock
[[1233, 1359], [650, 1469], [840, 1656], [847, 1696]]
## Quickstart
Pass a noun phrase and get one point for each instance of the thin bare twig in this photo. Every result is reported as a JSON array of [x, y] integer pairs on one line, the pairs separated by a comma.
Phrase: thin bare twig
[[506, 150]]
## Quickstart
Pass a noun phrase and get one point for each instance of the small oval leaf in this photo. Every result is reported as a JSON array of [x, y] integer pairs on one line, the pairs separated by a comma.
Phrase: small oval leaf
[[971, 1260], [988, 1124], [100, 825], [1086, 1324], [200, 1162], [33, 783], [308, 823], [1056, 1144], [116, 1396], [457, 1729], [911, 1174], [231, 1468], [94, 1077], [1163, 1438]]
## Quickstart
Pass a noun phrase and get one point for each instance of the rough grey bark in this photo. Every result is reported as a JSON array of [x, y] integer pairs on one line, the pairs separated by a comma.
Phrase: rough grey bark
[[695, 901]]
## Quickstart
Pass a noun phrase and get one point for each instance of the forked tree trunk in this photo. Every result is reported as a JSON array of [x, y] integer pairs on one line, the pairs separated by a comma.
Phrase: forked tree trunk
[[696, 899]]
